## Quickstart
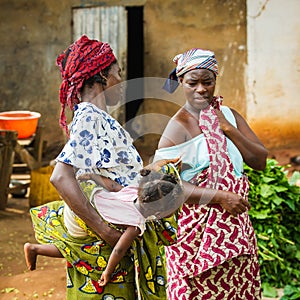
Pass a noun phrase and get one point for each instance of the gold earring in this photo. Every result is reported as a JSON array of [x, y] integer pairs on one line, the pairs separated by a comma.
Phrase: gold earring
[[103, 76]]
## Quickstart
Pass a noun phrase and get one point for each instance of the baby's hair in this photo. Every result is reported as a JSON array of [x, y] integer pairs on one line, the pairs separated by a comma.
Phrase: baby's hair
[[154, 186]]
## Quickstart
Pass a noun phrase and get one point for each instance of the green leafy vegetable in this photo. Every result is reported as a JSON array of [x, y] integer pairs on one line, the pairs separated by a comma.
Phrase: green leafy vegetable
[[275, 215]]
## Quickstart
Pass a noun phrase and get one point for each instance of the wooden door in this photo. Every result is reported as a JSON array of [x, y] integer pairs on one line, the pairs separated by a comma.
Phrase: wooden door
[[107, 24]]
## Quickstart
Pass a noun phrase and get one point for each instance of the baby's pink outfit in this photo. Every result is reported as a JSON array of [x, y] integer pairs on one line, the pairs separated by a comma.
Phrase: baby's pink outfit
[[118, 207]]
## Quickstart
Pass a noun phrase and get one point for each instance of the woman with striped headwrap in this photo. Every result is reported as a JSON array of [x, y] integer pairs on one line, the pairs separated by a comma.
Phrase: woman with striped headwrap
[[215, 256], [97, 145]]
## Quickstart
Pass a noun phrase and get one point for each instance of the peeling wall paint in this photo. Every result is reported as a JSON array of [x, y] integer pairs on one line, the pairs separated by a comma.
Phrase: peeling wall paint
[[259, 75], [273, 71]]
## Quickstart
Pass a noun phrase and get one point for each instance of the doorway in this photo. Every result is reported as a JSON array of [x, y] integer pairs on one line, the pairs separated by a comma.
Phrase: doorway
[[121, 27], [135, 62]]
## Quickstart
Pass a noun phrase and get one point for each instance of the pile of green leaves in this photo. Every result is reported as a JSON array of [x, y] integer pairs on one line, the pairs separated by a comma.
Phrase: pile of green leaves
[[275, 215]]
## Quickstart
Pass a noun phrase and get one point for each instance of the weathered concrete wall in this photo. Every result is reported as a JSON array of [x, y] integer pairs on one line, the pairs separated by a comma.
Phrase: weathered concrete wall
[[34, 32], [172, 27], [274, 70]]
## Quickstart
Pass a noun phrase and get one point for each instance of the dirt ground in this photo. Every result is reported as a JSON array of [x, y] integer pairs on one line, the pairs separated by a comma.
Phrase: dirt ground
[[48, 280]]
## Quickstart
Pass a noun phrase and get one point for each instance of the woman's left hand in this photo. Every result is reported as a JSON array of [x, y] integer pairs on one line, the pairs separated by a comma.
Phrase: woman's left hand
[[224, 123], [253, 151]]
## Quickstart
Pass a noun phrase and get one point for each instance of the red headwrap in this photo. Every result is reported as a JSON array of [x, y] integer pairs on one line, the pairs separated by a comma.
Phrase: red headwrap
[[86, 58]]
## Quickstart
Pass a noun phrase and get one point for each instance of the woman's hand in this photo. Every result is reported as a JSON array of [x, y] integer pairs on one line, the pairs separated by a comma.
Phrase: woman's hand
[[156, 166], [225, 125], [86, 176], [253, 151], [108, 234], [231, 202]]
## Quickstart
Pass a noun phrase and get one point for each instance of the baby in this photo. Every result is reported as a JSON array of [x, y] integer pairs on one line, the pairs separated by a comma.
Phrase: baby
[[158, 195]]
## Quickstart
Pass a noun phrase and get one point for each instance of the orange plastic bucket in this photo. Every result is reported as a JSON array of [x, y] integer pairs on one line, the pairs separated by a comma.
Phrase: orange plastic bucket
[[23, 121]]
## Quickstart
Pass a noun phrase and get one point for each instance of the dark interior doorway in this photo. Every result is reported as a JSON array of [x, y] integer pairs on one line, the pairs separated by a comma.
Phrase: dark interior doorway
[[135, 62]]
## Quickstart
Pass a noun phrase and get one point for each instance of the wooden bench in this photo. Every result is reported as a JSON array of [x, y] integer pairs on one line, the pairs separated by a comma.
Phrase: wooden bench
[[30, 152]]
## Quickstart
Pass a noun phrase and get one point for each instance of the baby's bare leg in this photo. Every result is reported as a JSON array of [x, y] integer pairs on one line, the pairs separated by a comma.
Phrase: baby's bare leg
[[33, 250]]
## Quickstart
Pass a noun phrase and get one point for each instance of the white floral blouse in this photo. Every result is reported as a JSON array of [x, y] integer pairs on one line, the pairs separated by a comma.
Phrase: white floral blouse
[[99, 144]]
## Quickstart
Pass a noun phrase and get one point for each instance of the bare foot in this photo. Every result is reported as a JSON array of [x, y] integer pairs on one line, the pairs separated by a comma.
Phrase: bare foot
[[30, 256]]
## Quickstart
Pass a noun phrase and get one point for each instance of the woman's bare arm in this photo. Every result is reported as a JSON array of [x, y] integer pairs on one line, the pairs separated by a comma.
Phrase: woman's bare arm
[[103, 181], [63, 179], [231, 202], [253, 151]]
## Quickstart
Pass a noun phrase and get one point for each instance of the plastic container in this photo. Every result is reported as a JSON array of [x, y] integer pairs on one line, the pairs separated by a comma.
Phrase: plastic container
[[23, 121]]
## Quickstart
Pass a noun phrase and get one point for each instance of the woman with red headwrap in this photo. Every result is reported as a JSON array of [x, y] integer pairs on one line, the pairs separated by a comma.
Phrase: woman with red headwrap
[[97, 145]]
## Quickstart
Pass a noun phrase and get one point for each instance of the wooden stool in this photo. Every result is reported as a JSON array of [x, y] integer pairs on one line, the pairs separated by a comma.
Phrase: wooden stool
[[8, 141]]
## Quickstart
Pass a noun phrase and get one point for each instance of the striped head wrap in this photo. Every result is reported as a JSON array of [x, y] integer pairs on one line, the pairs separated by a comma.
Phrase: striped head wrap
[[190, 60], [80, 61], [195, 59]]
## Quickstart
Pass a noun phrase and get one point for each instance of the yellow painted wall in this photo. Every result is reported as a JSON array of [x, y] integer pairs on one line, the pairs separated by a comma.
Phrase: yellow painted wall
[[34, 32]]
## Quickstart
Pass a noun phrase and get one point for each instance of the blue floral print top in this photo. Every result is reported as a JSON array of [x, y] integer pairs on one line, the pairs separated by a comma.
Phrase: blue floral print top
[[99, 144]]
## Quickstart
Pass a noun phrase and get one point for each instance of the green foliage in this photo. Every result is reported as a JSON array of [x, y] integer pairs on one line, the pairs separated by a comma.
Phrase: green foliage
[[275, 215]]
